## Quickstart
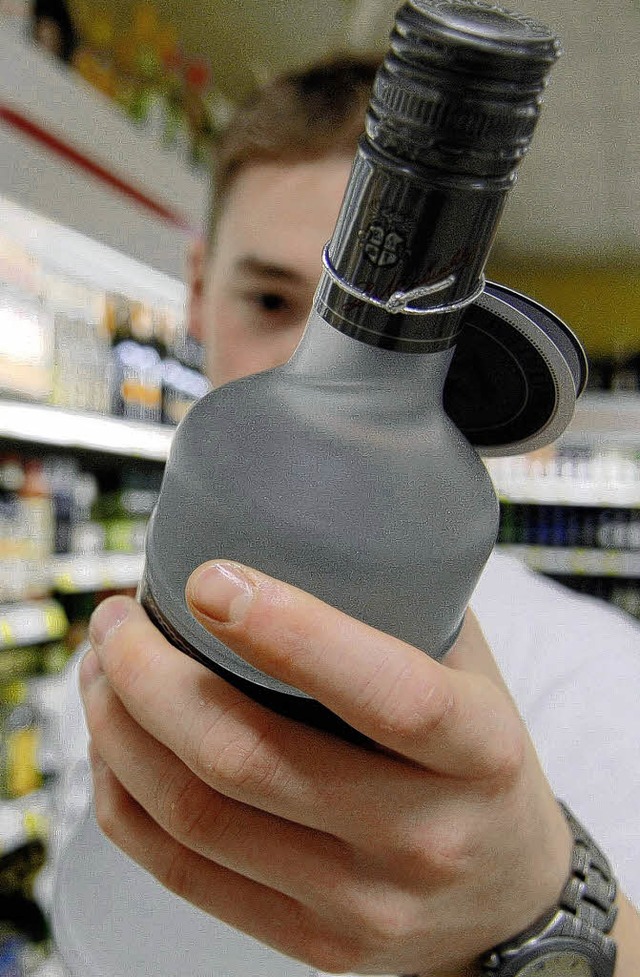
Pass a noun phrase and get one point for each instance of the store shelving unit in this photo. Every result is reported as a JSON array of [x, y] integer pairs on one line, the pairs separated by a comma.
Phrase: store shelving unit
[[67, 153], [97, 201], [74, 574], [578, 561], [39, 424], [576, 517], [30, 623], [600, 421]]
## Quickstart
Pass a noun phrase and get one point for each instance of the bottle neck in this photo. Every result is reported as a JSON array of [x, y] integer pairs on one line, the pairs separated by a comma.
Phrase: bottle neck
[[408, 238], [326, 355]]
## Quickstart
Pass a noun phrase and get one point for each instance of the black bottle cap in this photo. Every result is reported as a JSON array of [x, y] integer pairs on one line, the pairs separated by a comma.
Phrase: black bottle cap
[[460, 88], [516, 372]]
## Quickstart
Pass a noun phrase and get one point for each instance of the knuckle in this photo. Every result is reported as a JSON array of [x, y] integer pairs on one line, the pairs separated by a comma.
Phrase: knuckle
[[381, 694], [109, 812], [245, 762], [181, 803], [419, 714], [234, 752], [382, 922], [454, 852], [335, 954], [450, 854], [177, 873], [508, 757], [436, 854]]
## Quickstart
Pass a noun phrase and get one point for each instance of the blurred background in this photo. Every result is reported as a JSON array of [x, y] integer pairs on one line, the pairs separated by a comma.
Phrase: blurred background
[[107, 117]]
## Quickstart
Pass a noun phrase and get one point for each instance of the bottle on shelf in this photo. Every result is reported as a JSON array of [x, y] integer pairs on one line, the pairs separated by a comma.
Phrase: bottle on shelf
[[20, 770], [25, 936], [82, 355], [137, 377], [26, 529], [569, 526], [26, 333]]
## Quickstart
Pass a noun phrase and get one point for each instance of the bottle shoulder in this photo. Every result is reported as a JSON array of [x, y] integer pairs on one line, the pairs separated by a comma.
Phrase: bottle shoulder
[[279, 396], [267, 430]]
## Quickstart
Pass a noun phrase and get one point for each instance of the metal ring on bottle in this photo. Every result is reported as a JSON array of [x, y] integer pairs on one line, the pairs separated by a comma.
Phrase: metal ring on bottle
[[398, 301]]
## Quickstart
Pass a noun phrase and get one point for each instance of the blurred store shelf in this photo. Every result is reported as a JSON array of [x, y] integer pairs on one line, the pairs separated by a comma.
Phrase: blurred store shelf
[[577, 562], [67, 152], [605, 420], [27, 621], [71, 574], [31, 622], [64, 429]]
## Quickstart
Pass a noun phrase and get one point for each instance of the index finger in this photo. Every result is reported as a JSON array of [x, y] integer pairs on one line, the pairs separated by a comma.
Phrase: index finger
[[452, 722]]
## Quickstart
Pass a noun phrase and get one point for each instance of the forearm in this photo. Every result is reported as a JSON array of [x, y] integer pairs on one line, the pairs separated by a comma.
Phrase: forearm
[[626, 933]]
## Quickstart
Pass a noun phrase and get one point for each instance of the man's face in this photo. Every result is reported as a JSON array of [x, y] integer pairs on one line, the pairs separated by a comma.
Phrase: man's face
[[263, 272]]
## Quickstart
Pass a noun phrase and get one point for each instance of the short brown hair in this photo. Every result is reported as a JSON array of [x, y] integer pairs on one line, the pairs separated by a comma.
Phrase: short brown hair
[[306, 114]]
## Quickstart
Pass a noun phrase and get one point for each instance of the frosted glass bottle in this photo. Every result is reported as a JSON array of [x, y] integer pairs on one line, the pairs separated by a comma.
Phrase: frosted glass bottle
[[340, 471]]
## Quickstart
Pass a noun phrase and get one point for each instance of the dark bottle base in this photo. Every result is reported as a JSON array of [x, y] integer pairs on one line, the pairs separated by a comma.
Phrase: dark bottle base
[[301, 708]]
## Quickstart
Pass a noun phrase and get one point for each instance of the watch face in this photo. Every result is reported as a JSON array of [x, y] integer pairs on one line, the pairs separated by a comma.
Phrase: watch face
[[559, 964]]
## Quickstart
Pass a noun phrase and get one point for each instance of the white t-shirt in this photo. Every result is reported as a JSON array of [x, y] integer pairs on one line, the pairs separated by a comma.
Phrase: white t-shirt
[[572, 664]]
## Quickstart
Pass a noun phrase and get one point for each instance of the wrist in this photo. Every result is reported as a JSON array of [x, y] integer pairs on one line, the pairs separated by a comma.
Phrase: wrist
[[626, 933], [575, 935]]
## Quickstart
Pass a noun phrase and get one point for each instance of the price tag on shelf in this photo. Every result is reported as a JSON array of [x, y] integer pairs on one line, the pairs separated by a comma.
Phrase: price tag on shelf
[[612, 563], [577, 560], [6, 634], [31, 622], [64, 583], [55, 621]]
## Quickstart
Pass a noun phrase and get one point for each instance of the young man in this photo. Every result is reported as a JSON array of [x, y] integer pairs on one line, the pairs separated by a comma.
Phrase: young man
[[418, 857]]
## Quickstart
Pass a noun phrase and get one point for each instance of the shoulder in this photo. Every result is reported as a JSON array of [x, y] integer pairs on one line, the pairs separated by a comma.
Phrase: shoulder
[[572, 663]]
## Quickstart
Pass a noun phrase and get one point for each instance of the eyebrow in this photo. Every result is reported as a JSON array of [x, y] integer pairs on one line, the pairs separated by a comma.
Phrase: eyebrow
[[250, 264]]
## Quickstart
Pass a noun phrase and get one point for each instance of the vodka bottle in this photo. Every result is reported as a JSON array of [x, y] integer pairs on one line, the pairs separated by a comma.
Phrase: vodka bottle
[[340, 472]]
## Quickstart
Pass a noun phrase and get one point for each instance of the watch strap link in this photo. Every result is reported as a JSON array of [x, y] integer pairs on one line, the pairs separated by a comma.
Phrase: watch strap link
[[591, 889]]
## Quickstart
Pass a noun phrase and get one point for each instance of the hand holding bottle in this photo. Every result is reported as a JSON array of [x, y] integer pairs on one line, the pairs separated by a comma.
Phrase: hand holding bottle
[[410, 854]]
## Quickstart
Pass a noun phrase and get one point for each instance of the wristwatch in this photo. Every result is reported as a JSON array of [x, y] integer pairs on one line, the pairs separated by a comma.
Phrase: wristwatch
[[570, 940]]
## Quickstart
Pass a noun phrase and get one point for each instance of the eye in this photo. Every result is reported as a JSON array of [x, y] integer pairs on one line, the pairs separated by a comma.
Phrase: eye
[[271, 301]]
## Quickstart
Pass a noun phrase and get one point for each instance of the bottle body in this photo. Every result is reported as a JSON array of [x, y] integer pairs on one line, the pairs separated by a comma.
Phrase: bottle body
[[350, 483]]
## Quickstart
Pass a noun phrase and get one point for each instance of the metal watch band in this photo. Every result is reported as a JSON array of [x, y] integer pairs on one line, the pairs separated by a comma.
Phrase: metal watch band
[[585, 910], [591, 889]]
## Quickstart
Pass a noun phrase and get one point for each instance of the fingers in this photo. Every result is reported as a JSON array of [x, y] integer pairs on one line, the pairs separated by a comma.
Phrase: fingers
[[241, 749], [261, 912], [452, 722], [369, 928], [295, 860]]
